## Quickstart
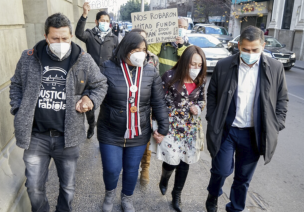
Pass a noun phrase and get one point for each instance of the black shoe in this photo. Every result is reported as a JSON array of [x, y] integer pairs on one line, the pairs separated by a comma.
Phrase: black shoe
[[176, 200], [179, 182], [163, 184], [90, 132], [211, 203]]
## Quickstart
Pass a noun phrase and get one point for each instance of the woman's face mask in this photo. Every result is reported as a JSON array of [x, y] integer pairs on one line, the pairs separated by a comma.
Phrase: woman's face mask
[[137, 58]]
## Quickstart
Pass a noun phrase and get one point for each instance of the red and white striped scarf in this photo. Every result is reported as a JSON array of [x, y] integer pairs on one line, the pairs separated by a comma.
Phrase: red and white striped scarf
[[133, 98]]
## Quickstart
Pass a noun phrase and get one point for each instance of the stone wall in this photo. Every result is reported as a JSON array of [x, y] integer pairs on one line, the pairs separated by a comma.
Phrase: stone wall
[[21, 27]]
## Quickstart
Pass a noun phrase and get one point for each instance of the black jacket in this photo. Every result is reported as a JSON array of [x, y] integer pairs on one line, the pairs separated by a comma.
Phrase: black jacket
[[117, 30], [273, 96], [100, 51], [111, 125]]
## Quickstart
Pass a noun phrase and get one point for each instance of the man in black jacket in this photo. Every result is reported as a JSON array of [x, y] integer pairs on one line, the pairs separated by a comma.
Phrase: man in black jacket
[[246, 109], [116, 29], [100, 43]]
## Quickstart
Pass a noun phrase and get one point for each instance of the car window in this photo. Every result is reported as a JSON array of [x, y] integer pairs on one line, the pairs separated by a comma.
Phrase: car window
[[206, 42], [200, 29], [272, 42], [195, 27], [190, 26], [237, 39], [216, 30]]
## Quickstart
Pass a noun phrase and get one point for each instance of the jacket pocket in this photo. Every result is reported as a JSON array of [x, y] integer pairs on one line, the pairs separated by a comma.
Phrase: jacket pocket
[[80, 81]]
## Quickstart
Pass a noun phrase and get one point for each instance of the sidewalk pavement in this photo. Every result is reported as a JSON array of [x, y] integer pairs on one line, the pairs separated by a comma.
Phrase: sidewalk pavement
[[299, 64], [90, 188]]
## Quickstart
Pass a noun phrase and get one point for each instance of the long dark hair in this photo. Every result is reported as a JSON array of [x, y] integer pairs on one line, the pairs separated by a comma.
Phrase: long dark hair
[[181, 68], [139, 31], [131, 41]]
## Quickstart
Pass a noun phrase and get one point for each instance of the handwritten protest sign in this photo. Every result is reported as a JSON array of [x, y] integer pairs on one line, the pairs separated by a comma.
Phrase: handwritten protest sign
[[161, 25], [98, 4]]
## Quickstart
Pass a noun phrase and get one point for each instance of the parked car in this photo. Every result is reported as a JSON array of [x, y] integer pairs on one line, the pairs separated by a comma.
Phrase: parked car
[[273, 48], [212, 47], [128, 28], [217, 31]]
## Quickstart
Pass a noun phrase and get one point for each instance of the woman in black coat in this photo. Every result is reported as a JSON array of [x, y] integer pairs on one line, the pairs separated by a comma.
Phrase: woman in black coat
[[123, 127]]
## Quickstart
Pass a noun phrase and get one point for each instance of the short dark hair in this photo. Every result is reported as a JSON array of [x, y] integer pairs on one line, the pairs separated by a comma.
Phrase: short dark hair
[[131, 41], [101, 13], [138, 30], [57, 21], [252, 33], [182, 67]]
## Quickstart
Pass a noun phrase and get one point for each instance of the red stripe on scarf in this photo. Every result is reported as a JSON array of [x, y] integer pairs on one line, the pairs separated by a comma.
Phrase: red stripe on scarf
[[130, 95], [136, 100]]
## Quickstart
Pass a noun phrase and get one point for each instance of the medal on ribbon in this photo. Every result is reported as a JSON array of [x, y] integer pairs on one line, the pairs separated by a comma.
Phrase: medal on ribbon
[[133, 97]]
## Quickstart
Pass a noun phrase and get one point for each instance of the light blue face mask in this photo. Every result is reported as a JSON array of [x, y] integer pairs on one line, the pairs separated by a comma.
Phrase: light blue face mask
[[104, 26], [250, 58]]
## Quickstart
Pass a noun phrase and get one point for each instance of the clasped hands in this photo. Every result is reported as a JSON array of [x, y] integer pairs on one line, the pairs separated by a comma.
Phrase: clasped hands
[[158, 137], [84, 104]]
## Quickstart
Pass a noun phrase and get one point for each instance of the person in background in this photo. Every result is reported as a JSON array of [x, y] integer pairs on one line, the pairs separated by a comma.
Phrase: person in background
[[123, 128], [184, 87], [116, 29], [246, 108], [145, 161], [48, 98], [266, 32], [100, 43], [169, 53]]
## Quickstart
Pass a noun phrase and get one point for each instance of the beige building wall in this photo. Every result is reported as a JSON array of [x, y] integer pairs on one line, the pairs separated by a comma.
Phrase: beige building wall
[[21, 27], [12, 43]]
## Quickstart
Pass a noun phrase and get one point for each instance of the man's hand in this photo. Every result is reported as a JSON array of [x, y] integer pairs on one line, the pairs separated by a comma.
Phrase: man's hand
[[86, 9], [179, 40], [158, 137], [193, 110], [84, 104]]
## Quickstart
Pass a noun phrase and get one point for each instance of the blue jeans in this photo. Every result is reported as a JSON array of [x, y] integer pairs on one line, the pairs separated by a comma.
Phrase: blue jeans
[[37, 159], [240, 142], [115, 158]]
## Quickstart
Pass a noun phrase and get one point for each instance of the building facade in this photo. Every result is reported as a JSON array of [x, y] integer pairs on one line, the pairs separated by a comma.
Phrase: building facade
[[245, 13], [21, 27], [287, 25]]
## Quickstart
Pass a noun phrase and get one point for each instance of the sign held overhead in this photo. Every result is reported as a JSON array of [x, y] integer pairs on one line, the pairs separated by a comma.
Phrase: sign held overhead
[[98, 4], [160, 25]]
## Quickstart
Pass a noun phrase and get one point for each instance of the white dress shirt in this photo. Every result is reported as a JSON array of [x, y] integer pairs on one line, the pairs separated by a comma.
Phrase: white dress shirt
[[247, 81]]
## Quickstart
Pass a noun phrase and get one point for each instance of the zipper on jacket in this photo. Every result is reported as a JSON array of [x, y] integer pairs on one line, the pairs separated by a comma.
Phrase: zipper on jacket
[[125, 142]]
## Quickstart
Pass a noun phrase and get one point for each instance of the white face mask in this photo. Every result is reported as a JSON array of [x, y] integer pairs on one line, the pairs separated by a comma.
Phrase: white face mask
[[181, 32], [138, 58], [104, 26], [59, 49], [194, 72]]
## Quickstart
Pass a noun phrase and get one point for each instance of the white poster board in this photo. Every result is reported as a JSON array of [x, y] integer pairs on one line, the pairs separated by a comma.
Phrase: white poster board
[[98, 4], [161, 25]]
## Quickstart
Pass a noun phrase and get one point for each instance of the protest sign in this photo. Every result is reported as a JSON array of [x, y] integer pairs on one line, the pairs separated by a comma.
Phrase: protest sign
[[160, 25], [98, 4]]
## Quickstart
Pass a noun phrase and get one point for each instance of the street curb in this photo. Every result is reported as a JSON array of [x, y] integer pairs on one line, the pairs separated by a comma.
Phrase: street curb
[[299, 67]]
